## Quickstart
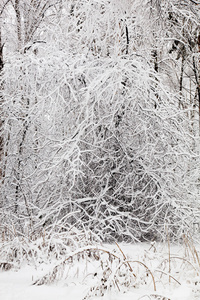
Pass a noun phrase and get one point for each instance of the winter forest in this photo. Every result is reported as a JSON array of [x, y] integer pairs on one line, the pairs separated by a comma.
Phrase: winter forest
[[99, 128]]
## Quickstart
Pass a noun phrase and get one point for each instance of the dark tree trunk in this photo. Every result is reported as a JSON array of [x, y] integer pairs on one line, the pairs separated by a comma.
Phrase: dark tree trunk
[[198, 83], [1, 100]]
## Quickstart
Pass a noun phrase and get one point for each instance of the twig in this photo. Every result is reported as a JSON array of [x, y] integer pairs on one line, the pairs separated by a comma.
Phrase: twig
[[168, 242], [168, 275], [141, 263], [130, 268]]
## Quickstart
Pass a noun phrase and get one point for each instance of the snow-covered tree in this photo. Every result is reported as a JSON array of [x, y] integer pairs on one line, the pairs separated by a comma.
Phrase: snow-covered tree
[[95, 136]]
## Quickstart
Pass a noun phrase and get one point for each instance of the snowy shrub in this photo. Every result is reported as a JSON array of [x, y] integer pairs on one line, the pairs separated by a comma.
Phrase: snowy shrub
[[156, 271], [19, 249], [104, 271], [110, 156]]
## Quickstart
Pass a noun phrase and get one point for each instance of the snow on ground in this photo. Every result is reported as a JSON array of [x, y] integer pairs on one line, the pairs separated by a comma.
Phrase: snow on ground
[[83, 276]]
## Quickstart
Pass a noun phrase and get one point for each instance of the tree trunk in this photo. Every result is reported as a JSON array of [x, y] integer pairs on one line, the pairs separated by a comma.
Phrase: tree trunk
[[1, 101], [198, 83]]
